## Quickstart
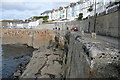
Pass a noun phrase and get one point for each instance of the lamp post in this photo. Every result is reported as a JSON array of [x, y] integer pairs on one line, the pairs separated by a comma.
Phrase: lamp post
[[95, 16]]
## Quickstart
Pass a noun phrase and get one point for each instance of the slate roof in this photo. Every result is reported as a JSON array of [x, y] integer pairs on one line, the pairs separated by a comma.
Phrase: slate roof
[[46, 11]]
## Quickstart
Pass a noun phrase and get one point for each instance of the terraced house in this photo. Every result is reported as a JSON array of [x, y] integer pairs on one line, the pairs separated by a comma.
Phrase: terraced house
[[87, 7]]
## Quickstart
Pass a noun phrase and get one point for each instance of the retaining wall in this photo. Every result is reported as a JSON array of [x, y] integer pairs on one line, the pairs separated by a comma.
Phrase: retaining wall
[[105, 25]]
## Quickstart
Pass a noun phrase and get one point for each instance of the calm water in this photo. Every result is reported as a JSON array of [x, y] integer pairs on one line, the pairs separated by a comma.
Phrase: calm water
[[12, 56], [0, 61]]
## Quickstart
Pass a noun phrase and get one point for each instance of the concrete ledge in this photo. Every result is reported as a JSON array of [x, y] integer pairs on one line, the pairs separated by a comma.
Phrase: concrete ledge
[[98, 60]]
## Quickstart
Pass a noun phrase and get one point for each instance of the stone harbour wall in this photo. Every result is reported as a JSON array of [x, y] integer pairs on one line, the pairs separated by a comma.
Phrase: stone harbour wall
[[35, 38]]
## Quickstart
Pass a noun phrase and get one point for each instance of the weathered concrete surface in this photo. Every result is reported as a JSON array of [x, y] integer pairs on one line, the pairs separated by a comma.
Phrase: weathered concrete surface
[[89, 58], [35, 38], [49, 26], [44, 64], [76, 62]]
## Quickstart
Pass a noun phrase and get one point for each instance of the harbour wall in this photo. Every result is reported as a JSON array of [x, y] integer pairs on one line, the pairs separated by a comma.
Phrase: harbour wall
[[34, 37], [89, 58]]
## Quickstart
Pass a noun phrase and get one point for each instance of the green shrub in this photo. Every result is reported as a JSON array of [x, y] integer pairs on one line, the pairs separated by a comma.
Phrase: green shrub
[[117, 3], [80, 16], [39, 17], [90, 9], [44, 21], [45, 17]]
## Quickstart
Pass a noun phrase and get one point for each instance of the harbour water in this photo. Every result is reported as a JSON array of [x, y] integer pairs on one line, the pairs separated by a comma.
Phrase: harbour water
[[0, 61], [12, 56]]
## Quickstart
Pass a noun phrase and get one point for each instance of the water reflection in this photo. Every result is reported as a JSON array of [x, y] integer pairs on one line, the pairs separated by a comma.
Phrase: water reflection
[[12, 56]]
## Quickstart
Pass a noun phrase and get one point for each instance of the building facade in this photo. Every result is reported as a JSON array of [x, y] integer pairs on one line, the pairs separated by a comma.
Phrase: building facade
[[10, 23], [87, 7]]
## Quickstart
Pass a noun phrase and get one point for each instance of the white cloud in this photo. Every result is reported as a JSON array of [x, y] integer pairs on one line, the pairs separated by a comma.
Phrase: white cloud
[[39, 0], [20, 6], [15, 14], [23, 10]]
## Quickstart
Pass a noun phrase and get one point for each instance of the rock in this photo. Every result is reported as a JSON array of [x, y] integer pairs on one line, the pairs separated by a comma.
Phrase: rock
[[47, 53], [18, 57], [38, 75], [44, 76], [53, 69], [17, 74], [93, 52], [44, 63], [54, 49], [37, 62], [53, 57]]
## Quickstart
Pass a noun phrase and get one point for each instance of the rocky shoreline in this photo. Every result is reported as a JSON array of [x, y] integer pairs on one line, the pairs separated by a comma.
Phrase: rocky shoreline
[[46, 62], [14, 56], [22, 66], [72, 56]]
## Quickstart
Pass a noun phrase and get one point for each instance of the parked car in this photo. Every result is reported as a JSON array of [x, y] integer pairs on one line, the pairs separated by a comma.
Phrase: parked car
[[74, 29]]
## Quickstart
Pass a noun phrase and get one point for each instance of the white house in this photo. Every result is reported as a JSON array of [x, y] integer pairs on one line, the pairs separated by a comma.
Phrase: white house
[[77, 10], [53, 14], [10, 23], [57, 11], [56, 14], [20, 25], [72, 11], [50, 16], [66, 12], [34, 24], [62, 13], [69, 13]]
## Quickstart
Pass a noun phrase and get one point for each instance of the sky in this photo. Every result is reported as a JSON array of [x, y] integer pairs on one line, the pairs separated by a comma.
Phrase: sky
[[24, 9]]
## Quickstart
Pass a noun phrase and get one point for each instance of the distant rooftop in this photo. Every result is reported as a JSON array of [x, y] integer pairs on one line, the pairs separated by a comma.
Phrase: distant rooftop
[[46, 11], [11, 20]]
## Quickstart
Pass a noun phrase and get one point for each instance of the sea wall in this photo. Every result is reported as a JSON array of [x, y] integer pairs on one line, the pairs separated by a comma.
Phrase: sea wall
[[71, 55], [89, 58], [49, 26], [35, 38], [105, 24]]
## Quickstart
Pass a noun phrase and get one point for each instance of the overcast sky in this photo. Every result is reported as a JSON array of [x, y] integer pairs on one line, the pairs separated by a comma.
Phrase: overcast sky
[[23, 9]]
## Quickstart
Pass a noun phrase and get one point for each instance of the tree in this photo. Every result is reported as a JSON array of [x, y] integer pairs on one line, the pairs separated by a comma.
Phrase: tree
[[90, 9], [45, 18], [80, 16], [116, 3]]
